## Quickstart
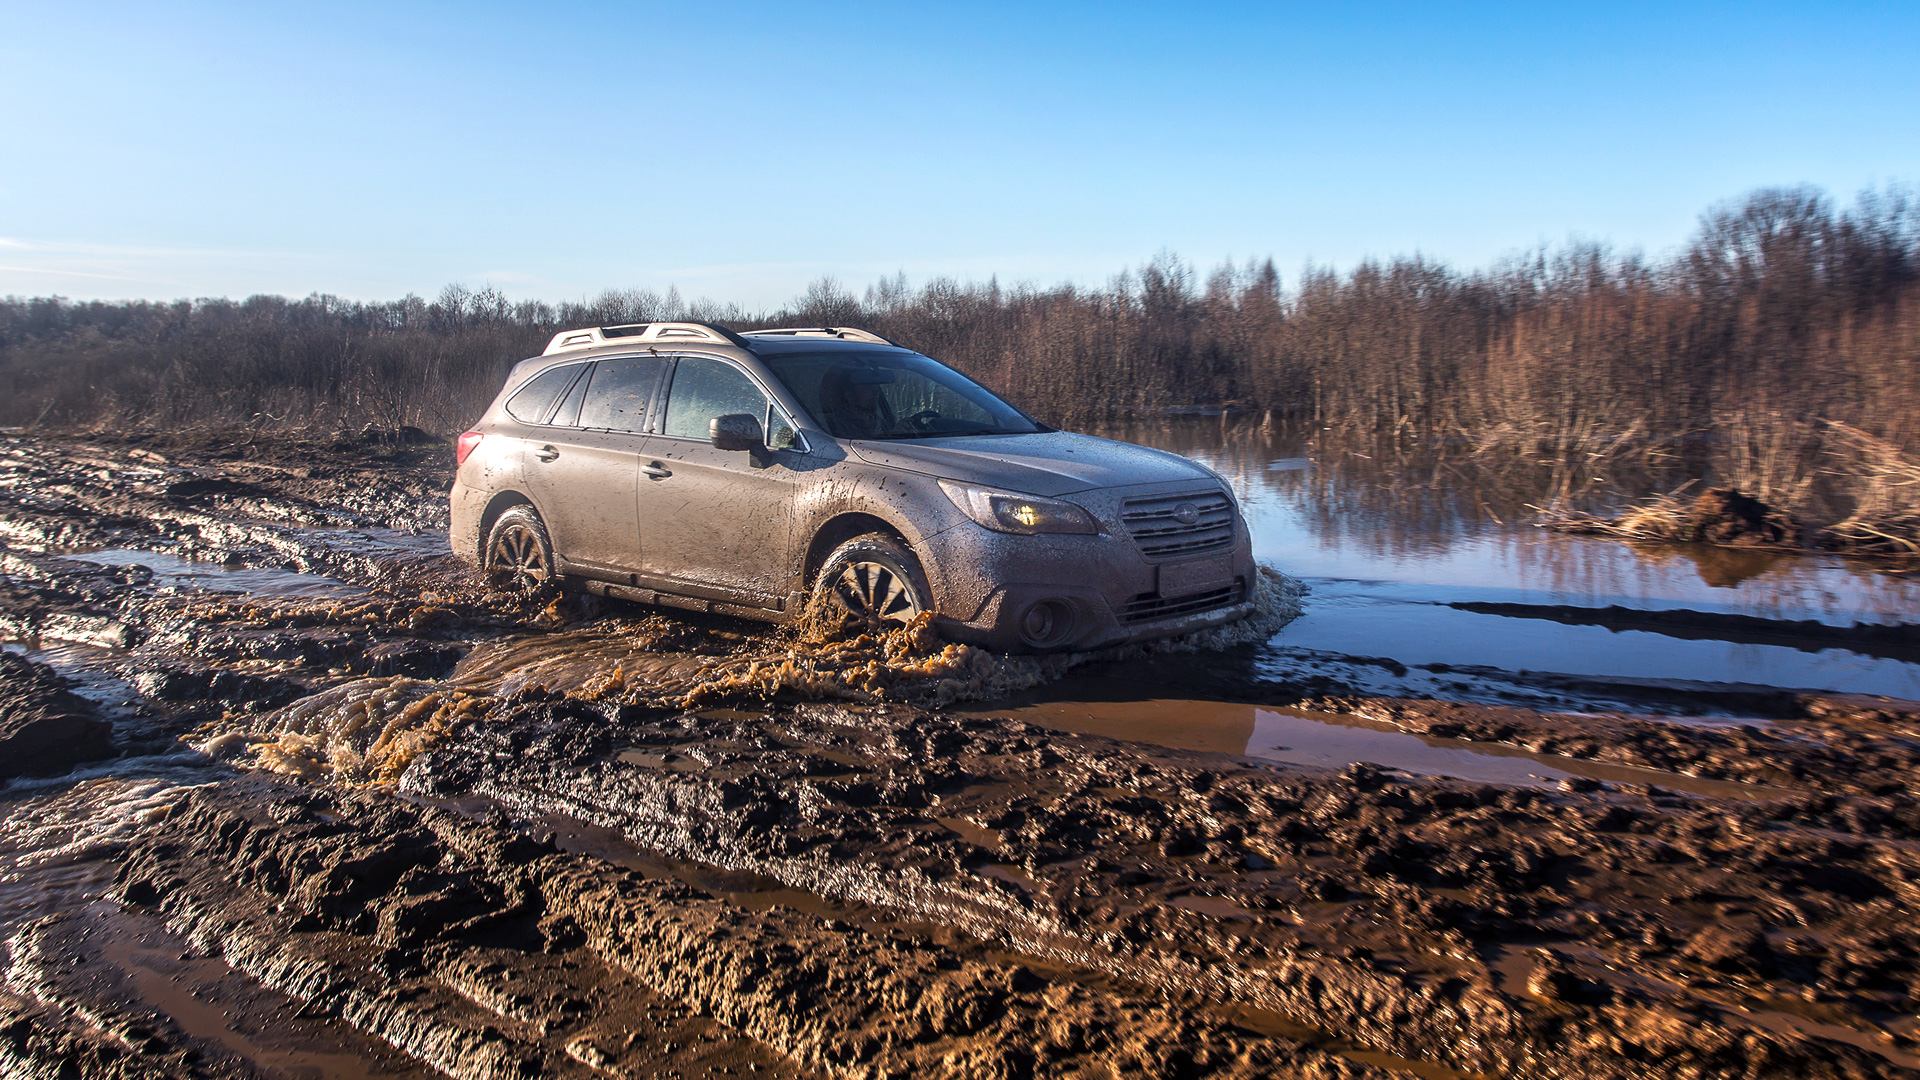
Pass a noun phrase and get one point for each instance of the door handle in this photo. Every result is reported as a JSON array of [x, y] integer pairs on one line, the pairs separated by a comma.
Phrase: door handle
[[546, 453], [656, 470]]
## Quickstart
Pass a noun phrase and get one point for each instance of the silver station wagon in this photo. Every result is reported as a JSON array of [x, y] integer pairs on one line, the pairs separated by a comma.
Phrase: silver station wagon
[[687, 465]]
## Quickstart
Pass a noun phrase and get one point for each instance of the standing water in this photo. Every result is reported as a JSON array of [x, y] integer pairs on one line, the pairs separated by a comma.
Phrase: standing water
[[1397, 565]]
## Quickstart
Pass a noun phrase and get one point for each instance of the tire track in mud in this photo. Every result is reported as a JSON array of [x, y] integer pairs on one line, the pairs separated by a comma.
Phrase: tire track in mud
[[868, 849], [290, 886]]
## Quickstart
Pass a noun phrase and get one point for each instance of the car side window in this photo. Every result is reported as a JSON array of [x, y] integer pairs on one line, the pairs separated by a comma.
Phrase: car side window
[[568, 414], [619, 393], [781, 434], [704, 389], [531, 403]]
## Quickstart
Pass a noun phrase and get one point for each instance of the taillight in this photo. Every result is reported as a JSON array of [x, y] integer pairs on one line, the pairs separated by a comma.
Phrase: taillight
[[465, 446]]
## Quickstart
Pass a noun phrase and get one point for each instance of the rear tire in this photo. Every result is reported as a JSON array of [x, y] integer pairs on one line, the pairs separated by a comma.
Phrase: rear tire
[[519, 558], [874, 582]]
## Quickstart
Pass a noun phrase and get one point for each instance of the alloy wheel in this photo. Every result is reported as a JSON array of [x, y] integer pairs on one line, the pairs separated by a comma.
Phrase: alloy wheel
[[518, 560], [873, 592]]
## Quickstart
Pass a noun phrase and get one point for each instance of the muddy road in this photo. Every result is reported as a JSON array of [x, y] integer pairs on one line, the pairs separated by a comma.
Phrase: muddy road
[[289, 795]]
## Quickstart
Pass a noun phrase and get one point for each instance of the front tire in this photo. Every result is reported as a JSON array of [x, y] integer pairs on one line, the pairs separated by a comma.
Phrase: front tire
[[519, 554], [872, 582]]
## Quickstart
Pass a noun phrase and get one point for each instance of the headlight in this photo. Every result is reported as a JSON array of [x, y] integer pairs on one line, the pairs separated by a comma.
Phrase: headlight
[[1006, 511]]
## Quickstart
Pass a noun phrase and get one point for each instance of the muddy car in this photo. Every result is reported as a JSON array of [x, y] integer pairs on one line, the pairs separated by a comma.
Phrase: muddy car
[[687, 465]]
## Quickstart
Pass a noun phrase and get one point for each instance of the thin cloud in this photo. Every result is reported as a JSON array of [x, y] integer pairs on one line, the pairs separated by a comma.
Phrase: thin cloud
[[129, 251], [68, 273]]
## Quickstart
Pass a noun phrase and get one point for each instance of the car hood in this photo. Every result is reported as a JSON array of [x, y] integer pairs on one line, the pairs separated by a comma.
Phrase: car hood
[[1045, 463]]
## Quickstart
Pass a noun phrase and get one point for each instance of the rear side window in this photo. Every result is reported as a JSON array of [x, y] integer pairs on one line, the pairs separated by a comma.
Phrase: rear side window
[[618, 396], [531, 403], [568, 414], [704, 389]]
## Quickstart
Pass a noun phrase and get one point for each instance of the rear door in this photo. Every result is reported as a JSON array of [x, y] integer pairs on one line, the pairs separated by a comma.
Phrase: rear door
[[720, 524], [585, 476]]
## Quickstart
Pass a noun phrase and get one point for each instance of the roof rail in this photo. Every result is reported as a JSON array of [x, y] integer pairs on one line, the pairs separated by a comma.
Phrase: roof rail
[[647, 333], [844, 333]]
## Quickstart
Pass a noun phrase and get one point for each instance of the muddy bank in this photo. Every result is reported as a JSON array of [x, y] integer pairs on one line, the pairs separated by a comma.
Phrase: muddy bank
[[358, 512], [368, 820], [1900, 641], [1838, 747], [44, 728], [1887, 527]]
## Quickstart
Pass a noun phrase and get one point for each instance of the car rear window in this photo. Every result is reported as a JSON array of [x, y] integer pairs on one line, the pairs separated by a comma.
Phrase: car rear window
[[531, 403]]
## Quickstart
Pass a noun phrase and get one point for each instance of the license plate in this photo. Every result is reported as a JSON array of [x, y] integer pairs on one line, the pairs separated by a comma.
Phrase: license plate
[[1204, 575]]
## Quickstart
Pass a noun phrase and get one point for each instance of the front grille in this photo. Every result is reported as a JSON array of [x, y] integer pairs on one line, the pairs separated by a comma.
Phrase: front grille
[[1150, 606], [1156, 526]]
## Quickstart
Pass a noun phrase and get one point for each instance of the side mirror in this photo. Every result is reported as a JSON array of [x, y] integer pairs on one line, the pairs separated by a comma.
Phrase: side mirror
[[737, 431]]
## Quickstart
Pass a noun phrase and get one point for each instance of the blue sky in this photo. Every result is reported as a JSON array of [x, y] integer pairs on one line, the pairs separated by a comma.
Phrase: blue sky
[[739, 150]]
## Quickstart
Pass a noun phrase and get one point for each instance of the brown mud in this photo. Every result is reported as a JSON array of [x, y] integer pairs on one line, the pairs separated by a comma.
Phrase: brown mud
[[44, 728], [389, 824]]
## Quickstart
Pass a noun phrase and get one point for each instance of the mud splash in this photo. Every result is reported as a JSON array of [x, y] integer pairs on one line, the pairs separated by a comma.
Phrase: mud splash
[[370, 730], [367, 731], [912, 665]]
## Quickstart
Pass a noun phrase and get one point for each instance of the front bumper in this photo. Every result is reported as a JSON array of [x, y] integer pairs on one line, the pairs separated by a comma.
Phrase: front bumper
[[1096, 591], [1095, 626]]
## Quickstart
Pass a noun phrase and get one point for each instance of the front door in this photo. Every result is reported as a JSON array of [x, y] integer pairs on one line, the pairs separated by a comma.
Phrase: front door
[[719, 524], [585, 476]]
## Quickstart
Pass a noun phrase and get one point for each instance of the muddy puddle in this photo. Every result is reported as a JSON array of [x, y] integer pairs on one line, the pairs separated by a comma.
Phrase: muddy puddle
[[173, 571], [62, 834], [93, 672], [1117, 709]]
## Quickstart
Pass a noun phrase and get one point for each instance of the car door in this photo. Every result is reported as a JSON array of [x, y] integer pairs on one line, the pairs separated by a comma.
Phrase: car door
[[719, 523], [585, 477]]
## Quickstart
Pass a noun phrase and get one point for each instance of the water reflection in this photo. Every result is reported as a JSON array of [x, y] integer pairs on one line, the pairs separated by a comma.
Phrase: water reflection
[[172, 570], [1117, 709], [1385, 540]]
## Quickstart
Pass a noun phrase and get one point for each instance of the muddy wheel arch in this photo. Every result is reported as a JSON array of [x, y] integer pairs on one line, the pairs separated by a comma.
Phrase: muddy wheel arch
[[837, 531]]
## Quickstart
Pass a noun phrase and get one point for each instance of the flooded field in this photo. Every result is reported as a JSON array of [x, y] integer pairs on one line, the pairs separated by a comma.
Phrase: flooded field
[[289, 795], [1444, 574]]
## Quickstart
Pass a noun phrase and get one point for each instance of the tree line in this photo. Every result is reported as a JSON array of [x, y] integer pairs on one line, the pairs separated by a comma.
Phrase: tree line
[[1783, 308]]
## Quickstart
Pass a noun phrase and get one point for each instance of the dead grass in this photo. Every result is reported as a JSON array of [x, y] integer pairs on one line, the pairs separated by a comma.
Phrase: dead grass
[[1782, 468], [1886, 517]]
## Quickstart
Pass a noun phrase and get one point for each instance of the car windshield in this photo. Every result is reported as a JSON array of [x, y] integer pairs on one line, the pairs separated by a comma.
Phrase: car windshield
[[895, 395]]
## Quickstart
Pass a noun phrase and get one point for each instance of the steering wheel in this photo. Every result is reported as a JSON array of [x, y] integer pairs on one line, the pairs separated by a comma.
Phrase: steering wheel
[[919, 419]]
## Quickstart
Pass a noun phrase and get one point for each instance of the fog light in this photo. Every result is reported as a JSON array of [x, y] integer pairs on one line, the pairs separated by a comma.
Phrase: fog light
[[1047, 622]]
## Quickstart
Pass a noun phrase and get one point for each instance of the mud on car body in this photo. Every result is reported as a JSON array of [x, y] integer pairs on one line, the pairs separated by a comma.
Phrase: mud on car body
[[687, 465]]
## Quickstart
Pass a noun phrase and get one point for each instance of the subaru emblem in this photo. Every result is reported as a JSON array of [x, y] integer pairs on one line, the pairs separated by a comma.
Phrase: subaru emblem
[[1186, 513]]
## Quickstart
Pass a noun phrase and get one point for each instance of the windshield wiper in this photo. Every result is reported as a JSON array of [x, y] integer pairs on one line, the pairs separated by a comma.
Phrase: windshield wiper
[[897, 435]]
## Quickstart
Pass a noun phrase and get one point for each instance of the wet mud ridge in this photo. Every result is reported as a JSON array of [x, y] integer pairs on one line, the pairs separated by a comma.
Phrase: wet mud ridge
[[305, 801], [1899, 641]]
